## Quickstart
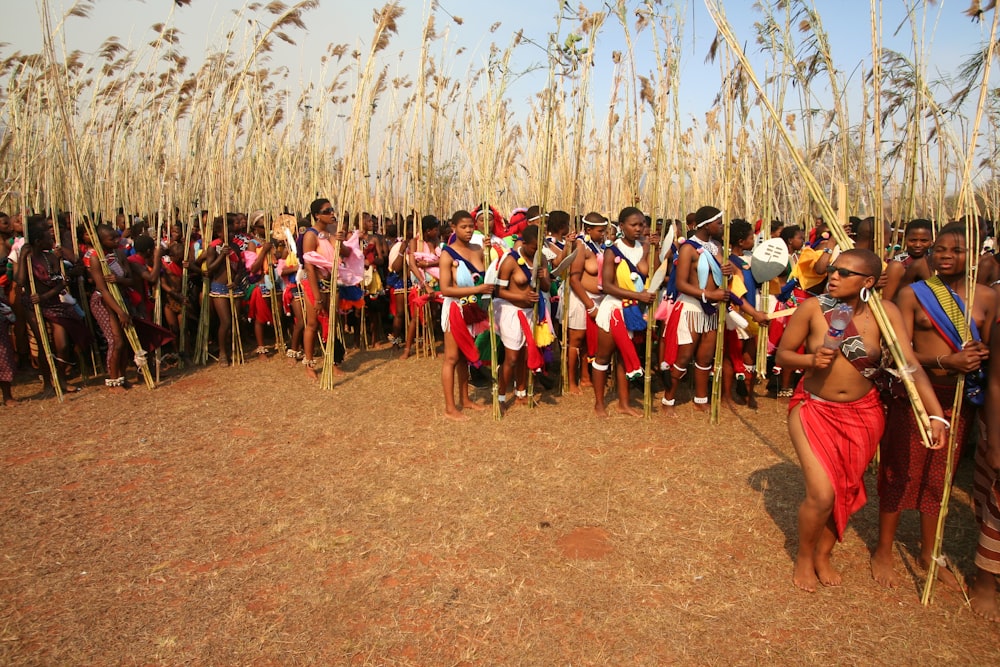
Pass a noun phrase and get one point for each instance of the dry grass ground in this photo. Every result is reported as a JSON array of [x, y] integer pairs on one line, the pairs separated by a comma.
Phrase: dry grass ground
[[242, 516]]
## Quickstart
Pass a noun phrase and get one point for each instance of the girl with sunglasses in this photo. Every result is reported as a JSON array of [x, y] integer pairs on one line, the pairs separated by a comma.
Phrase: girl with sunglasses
[[836, 417]]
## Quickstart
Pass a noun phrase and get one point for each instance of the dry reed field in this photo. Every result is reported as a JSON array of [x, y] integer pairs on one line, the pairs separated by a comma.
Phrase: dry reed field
[[361, 527]]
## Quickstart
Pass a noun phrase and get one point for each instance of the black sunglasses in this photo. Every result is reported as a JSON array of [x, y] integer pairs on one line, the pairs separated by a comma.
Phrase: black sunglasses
[[845, 273], [326, 211]]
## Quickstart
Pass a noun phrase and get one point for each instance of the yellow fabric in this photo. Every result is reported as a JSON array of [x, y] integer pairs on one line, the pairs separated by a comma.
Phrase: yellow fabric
[[372, 281], [623, 276], [737, 285], [804, 271], [543, 335]]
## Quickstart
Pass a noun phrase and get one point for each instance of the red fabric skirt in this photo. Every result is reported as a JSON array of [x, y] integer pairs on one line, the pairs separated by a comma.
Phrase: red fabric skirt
[[259, 309], [910, 476], [843, 436]]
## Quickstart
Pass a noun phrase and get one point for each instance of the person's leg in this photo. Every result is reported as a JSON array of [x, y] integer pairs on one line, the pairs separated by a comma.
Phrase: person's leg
[[621, 380], [750, 361], [677, 373], [577, 368], [398, 320], [116, 349], [225, 314], [62, 348], [258, 334], [310, 331], [828, 576], [298, 326], [983, 596], [928, 532], [599, 374], [452, 358], [411, 333], [507, 379], [704, 358], [521, 374], [816, 508], [882, 567], [462, 371], [728, 380]]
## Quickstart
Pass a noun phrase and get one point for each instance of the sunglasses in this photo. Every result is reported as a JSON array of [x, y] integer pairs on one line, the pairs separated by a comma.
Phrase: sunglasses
[[845, 273], [326, 211]]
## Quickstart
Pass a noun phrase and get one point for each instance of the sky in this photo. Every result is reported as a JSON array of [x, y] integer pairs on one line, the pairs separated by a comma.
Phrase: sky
[[949, 36]]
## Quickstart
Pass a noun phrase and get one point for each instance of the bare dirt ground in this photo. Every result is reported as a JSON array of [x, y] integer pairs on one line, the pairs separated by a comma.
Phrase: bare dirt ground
[[243, 516]]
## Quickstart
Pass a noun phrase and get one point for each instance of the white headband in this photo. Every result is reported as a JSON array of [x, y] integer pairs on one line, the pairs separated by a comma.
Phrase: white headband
[[710, 220], [595, 224]]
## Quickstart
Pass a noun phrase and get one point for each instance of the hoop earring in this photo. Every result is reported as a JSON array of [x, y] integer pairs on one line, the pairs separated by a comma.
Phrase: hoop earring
[[865, 294]]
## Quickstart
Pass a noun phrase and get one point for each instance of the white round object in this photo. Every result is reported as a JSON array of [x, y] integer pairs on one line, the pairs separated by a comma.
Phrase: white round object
[[770, 259]]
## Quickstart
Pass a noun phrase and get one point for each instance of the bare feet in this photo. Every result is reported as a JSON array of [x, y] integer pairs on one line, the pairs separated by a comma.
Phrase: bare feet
[[223, 361], [804, 575], [471, 405], [455, 415], [310, 371], [883, 572], [628, 411], [405, 354], [600, 410], [702, 407], [828, 576], [983, 598], [337, 370], [575, 390], [752, 401]]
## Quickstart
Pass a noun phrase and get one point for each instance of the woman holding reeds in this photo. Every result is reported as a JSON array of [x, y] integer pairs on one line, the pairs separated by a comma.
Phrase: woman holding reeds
[[109, 314], [319, 257], [58, 308], [585, 298], [836, 417], [624, 269], [461, 268], [222, 283]]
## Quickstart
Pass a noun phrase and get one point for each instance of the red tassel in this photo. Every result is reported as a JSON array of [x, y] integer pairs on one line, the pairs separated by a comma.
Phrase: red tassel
[[734, 350], [670, 346], [535, 361], [591, 338], [460, 332], [630, 360]]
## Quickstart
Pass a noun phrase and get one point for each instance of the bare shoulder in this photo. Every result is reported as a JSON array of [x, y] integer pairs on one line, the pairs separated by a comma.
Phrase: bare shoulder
[[892, 309], [986, 295], [905, 298], [686, 250]]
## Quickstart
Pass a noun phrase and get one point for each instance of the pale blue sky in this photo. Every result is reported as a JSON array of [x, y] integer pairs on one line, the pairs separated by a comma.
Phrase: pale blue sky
[[950, 36]]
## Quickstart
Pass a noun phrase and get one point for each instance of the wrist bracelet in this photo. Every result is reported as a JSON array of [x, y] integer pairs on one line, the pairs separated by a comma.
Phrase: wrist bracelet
[[592, 308], [938, 362], [947, 424], [703, 299]]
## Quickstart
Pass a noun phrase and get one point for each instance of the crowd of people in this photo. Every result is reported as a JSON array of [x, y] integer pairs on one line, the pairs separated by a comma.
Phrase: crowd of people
[[510, 296]]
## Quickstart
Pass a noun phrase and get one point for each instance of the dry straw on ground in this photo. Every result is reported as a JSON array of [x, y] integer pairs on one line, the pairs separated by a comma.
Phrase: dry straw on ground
[[200, 524]]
